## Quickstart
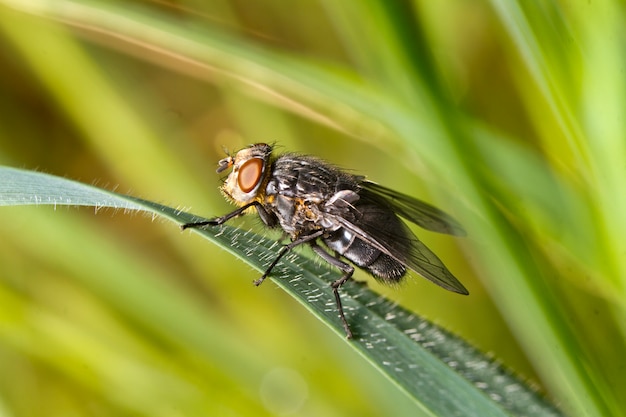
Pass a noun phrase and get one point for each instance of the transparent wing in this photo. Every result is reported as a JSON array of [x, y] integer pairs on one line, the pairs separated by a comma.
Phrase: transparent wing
[[414, 210], [376, 224]]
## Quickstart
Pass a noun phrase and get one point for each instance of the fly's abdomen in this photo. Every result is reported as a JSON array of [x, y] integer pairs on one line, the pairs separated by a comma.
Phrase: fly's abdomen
[[382, 266]]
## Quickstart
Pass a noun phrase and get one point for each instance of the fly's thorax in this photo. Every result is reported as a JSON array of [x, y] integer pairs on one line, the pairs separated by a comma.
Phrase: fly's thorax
[[250, 171], [294, 214], [303, 192]]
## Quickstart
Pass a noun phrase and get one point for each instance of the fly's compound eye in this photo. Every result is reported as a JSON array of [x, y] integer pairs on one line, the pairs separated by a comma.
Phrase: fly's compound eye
[[250, 174]]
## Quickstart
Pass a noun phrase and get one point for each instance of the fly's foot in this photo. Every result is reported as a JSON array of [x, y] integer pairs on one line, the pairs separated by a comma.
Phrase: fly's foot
[[195, 225], [259, 281]]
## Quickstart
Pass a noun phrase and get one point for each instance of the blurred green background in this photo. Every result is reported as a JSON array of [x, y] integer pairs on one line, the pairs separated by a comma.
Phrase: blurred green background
[[509, 117]]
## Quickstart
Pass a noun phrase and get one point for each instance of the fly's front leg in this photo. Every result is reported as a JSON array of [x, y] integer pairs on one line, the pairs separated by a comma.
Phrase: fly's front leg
[[223, 219], [347, 270]]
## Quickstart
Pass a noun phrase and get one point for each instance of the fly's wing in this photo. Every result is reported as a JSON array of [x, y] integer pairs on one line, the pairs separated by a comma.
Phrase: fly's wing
[[408, 250], [423, 261], [376, 224], [414, 210]]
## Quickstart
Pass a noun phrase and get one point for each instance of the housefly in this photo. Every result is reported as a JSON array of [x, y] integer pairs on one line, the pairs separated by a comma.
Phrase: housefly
[[355, 220]]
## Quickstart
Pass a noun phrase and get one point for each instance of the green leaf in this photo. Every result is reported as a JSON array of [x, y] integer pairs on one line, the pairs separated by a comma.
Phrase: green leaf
[[441, 372]]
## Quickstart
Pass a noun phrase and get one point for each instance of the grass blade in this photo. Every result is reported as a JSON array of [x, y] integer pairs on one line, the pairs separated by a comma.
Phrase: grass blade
[[443, 374]]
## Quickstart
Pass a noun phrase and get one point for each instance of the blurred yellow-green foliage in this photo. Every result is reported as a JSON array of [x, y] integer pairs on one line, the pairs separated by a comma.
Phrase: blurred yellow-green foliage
[[143, 97]]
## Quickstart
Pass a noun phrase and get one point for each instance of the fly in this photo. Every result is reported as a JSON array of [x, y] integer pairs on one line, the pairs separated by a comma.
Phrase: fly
[[356, 220]]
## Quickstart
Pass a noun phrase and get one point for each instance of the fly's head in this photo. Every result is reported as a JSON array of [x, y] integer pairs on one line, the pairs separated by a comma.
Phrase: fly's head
[[250, 168]]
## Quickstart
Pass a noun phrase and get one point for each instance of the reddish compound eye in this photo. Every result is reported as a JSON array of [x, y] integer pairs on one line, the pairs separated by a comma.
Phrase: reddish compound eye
[[250, 174]]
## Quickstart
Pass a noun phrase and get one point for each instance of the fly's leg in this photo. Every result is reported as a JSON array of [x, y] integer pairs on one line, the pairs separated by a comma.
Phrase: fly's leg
[[218, 220], [265, 217], [347, 270], [286, 248]]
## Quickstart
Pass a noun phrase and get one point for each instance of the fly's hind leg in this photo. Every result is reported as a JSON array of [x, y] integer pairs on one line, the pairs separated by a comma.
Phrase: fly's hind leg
[[347, 270]]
